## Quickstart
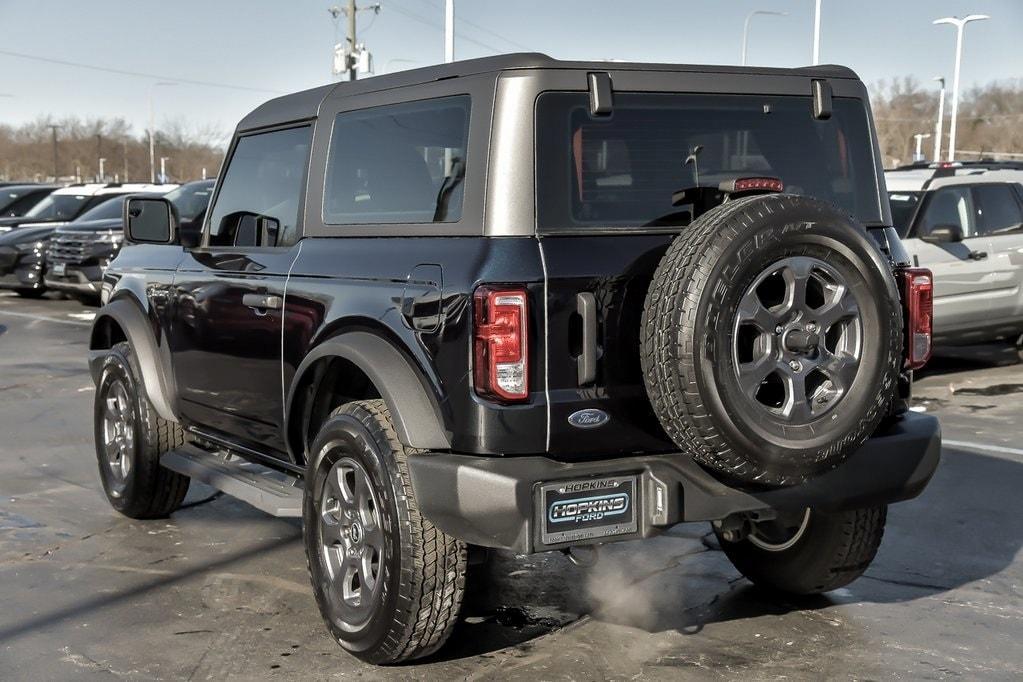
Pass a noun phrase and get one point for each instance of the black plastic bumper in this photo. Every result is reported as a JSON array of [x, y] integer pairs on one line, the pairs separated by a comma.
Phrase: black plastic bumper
[[493, 501]]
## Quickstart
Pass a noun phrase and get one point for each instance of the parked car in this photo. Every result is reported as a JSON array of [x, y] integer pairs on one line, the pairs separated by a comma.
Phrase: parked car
[[527, 304], [80, 251], [968, 229], [16, 200], [23, 241]]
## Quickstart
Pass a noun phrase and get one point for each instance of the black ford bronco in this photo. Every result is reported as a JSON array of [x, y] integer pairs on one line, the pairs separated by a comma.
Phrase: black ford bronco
[[534, 305]]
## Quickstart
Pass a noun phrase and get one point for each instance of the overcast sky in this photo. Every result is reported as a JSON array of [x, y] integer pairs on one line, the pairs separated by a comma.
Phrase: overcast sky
[[275, 46]]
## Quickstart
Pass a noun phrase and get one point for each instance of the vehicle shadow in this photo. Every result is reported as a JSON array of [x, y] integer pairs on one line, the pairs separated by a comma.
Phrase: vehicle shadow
[[954, 534], [951, 360]]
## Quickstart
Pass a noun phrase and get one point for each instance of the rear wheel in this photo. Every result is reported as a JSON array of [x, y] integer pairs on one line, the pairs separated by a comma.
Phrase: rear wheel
[[388, 583], [130, 439], [806, 552]]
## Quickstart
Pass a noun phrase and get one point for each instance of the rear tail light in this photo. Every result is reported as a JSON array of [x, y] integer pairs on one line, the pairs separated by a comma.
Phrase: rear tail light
[[919, 291], [500, 353]]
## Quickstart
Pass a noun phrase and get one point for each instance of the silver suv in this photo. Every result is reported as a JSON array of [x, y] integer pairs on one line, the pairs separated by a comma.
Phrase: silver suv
[[967, 227]]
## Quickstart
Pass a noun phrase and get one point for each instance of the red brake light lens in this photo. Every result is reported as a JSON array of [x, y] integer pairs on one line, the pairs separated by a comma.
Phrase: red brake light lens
[[749, 184], [919, 292], [500, 352]]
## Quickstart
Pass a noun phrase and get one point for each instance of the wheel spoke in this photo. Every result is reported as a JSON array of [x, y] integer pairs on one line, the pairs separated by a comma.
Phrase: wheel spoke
[[840, 369], [752, 310], [369, 578], [796, 274], [753, 374], [842, 307], [796, 406]]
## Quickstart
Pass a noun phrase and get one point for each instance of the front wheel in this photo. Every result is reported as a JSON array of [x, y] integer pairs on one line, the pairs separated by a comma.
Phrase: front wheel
[[130, 438], [807, 551], [387, 582]]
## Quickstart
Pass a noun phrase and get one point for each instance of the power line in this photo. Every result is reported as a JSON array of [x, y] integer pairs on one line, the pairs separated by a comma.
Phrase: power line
[[137, 74], [423, 20], [484, 29]]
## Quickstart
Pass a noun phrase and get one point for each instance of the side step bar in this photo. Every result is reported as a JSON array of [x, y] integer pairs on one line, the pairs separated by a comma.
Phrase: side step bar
[[265, 489]]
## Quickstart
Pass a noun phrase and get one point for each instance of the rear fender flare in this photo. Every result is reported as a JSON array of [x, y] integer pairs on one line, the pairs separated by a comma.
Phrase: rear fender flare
[[412, 404], [157, 376]]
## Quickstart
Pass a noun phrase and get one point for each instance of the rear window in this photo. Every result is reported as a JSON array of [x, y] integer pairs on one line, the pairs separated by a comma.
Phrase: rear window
[[622, 170]]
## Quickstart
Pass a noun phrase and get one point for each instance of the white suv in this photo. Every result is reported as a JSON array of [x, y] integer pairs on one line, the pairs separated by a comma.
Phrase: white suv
[[967, 227]]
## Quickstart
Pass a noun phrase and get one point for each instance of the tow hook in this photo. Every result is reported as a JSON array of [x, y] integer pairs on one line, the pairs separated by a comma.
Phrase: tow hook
[[585, 556]]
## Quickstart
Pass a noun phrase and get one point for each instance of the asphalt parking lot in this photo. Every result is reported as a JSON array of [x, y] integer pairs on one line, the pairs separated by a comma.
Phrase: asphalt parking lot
[[220, 590]]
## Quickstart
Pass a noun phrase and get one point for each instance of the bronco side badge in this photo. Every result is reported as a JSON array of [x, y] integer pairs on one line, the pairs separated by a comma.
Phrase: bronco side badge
[[589, 418]]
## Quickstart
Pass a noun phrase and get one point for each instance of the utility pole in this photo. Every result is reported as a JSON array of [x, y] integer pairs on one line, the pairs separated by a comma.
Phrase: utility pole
[[99, 155], [352, 52], [960, 24], [940, 125], [102, 169], [53, 129], [163, 168]]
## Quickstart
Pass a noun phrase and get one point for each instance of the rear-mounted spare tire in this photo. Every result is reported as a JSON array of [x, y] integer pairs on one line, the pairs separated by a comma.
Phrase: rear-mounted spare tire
[[772, 339]]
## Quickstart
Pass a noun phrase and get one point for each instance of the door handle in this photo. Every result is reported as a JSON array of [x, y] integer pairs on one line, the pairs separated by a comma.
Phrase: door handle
[[262, 301], [586, 363], [977, 255]]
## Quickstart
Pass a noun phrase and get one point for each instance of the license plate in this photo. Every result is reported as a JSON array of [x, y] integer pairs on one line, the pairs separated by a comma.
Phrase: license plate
[[588, 509], [58, 269]]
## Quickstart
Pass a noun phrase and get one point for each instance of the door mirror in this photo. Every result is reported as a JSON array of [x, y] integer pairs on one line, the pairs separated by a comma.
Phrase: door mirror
[[943, 234], [150, 220]]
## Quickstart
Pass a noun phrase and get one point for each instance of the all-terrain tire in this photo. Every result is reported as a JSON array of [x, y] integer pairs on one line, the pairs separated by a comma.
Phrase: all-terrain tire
[[422, 571], [142, 488], [689, 331], [834, 550]]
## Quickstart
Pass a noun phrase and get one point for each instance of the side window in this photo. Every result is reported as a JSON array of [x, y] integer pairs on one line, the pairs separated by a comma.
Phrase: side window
[[402, 163], [261, 193], [949, 206], [997, 209]]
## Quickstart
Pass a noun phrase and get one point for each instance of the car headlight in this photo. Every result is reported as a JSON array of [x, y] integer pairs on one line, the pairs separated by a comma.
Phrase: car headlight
[[110, 238]]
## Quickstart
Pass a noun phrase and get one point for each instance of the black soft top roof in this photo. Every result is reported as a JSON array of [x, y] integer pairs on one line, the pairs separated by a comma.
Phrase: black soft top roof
[[305, 104]]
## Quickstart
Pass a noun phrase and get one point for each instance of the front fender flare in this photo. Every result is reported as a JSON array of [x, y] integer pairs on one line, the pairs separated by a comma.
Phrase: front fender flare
[[157, 377], [413, 408]]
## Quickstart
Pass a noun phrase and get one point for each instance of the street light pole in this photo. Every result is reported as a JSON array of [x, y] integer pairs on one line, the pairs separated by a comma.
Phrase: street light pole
[[152, 124], [449, 31], [745, 28], [940, 125], [163, 168], [960, 24], [920, 137], [817, 33]]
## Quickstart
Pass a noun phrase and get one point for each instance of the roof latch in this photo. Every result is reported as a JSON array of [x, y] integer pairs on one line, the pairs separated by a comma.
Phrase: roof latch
[[601, 98], [821, 99]]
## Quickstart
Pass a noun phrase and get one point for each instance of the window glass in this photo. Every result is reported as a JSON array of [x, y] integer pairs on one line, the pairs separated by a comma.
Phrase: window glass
[[997, 209], [109, 209], [949, 206], [58, 207], [191, 200], [627, 169], [403, 163], [904, 206], [263, 184]]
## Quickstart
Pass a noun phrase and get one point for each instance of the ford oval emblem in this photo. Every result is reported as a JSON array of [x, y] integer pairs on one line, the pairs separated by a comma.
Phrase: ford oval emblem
[[589, 418]]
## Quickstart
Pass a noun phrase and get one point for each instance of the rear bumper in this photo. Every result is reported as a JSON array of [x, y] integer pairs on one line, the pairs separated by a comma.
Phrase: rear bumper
[[494, 501]]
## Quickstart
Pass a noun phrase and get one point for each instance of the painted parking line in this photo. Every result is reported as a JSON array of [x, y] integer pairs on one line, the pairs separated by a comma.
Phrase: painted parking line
[[967, 445], [44, 318]]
